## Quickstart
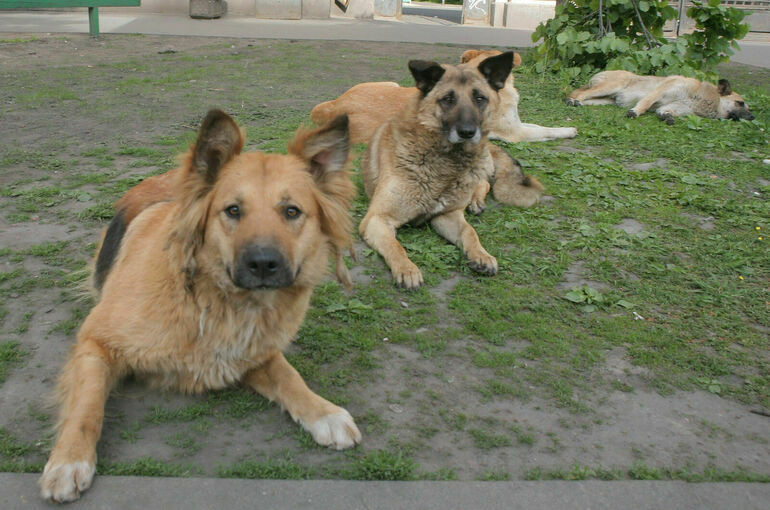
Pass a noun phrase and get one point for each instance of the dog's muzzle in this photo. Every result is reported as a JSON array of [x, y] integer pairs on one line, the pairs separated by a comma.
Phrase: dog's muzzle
[[462, 133], [738, 115], [261, 266]]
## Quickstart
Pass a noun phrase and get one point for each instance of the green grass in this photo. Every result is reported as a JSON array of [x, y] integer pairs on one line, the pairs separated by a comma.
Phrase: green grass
[[382, 465], [11, 355], [146, 466], [641, 471], [267, 469]]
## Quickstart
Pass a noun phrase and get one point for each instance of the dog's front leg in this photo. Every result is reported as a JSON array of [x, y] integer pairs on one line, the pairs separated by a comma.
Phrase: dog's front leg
[[648, 101], [330, 425], [455, 229], [379, 232], [83, 389], [478, 199]]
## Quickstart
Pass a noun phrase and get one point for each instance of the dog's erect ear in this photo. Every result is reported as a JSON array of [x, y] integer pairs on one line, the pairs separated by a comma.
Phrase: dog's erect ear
[[426, 74], [325, 149], [219, 139], [724, 88], [497, 69]]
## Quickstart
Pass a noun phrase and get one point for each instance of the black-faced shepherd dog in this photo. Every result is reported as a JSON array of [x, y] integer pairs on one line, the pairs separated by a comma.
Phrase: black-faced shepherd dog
[[433, 159]]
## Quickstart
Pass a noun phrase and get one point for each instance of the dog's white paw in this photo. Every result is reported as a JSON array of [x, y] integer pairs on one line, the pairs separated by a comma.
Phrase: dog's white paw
[[570, 132], [337, 431], [64, 482]]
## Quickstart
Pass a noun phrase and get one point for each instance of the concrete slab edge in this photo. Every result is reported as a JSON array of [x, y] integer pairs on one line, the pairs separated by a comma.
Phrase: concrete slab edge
[[19, 491]]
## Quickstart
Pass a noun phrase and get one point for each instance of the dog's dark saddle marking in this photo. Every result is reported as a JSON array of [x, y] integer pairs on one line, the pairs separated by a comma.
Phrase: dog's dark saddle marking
[[110, 247]]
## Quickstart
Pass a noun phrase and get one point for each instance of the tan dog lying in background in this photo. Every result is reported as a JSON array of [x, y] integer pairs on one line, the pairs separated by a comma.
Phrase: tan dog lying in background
[[369, 105], [204, 277], [668, 96]]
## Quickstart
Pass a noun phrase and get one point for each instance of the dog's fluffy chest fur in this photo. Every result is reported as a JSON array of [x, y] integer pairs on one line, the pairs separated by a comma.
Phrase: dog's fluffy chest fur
[[440, 176], [221, 346]]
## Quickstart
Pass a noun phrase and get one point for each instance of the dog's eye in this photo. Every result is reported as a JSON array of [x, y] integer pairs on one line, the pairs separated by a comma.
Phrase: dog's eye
[[291, 212], [233, 211], [480, 100], [740, 103], [448, 99]]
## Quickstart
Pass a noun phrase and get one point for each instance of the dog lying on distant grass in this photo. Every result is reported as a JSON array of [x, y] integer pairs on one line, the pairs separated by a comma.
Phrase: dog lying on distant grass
[[668, 96], [203, 279], [369, 105]]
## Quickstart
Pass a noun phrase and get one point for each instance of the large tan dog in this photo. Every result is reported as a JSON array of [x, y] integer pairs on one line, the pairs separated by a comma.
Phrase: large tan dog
[[369, 105], [425, 164], [668, 96], [203, 284]]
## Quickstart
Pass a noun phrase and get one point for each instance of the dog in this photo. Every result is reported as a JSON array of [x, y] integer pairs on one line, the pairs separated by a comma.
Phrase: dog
[[204, 277], [430, 161], [668, 96], [368, 105]]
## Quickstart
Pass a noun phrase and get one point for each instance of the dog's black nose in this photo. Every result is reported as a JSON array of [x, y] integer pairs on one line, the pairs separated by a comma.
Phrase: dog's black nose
[[261, 266], [750, 117], [263, 262], [466, 131]]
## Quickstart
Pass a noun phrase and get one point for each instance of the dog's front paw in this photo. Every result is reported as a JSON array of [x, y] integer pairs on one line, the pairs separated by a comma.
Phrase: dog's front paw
[[570, 132], [631, 114], [477, 207], [336, 430], [573, 102], [484, 264], [407, 275], [62, 483]]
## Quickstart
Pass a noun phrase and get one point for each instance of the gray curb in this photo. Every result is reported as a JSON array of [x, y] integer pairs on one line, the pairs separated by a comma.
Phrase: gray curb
[[19, 491]]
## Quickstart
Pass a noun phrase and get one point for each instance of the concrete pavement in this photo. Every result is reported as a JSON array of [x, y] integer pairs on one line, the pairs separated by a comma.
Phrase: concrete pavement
[[19, 492], [755, 51]]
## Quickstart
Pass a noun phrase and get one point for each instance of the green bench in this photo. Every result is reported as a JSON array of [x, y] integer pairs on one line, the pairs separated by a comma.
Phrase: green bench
[[93, 7]]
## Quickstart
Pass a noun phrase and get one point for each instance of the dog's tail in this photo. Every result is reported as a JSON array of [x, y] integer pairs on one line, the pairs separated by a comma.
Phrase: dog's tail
[[511, 186], [324, 112]]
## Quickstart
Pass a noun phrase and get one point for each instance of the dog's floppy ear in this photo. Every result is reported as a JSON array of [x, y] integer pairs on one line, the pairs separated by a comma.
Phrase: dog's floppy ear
[[724, 88], [426, 74], [326, 150], [219, 140], [497, 69]]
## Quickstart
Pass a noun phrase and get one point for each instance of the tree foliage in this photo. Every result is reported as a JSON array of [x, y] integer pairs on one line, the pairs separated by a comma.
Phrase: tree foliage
[[586, 36]]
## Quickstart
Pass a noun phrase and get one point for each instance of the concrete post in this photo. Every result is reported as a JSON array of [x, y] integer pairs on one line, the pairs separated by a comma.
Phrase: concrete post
[[279, 9], [497, 13], [359, 9], [388, 8], [527, 14], [476, 12], [316, 9]]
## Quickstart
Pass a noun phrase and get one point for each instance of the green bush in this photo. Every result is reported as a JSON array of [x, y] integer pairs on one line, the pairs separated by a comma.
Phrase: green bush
[[586, 36]]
